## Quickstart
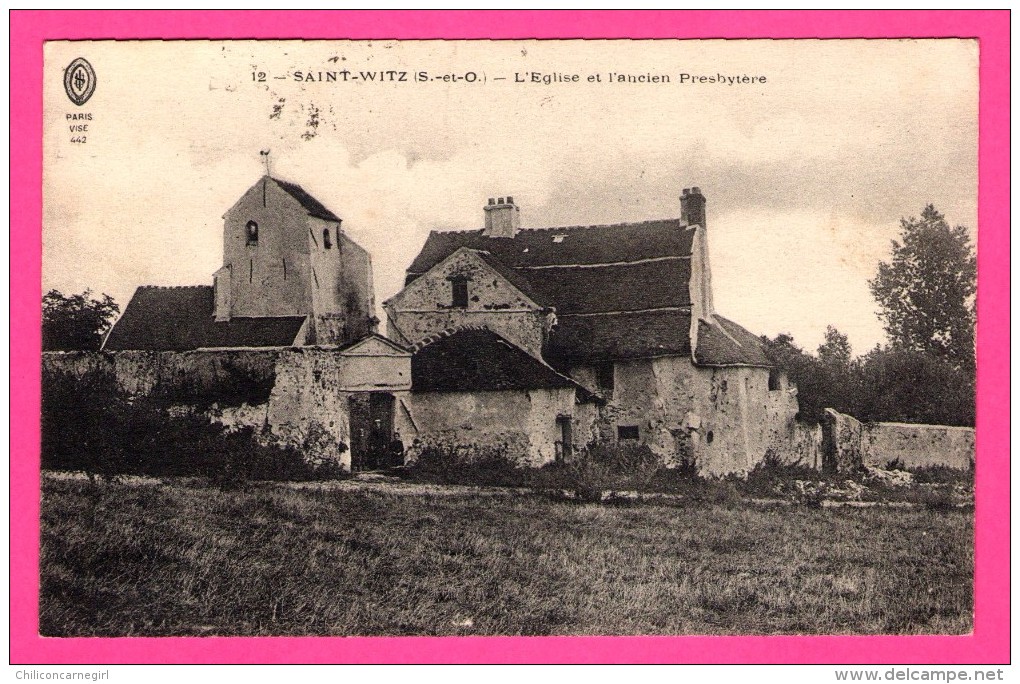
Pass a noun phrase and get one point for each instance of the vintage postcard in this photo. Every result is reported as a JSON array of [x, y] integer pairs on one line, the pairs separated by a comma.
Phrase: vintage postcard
[[504, 338]]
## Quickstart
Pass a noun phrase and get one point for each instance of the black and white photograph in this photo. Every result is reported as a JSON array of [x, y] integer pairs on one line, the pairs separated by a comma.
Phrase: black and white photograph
[[508, 338]]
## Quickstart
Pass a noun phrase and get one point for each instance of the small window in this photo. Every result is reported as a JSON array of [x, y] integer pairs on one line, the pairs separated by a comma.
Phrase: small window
[[605, 377], [709, 437], [326, 242], [460, 293], [628, 432], [251, 233], [774, 382]]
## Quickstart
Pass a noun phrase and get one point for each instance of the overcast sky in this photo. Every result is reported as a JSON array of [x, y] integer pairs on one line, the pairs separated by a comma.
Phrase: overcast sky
[[806, 175]]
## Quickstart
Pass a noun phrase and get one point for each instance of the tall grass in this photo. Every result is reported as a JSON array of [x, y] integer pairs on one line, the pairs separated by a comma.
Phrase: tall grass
[[178, 557]]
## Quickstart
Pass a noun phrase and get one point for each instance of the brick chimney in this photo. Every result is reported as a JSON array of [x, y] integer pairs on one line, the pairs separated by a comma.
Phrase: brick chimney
[[692, 207], [502, 218]]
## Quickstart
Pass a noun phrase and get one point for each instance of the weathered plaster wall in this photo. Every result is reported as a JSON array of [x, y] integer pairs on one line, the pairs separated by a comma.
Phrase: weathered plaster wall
[[309, 405], [425, 307], [849, 444], [373, 373], [841, 441], [726, 418], [341, 287], [244, 416], [521, 422], [356, 282], [801, 445]]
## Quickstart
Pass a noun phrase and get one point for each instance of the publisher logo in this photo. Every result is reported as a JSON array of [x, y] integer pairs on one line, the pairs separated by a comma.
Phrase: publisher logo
[[79, 81]]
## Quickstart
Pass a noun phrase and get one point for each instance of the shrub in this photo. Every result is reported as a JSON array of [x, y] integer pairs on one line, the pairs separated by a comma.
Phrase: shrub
[[621, 459], [466, 464], [225, 380], [599, 472], [89, 425], [588, 475], [943, 474], [83, 426], [772, 475]]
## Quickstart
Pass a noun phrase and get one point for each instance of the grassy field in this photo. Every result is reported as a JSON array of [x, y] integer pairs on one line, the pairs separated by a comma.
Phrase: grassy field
[[181, 557]]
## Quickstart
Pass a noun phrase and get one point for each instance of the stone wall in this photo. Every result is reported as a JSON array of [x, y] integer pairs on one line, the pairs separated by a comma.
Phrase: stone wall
[[801, 445], [296, 396], [918, 446], [230, 377], [727, 419], [849, 443]]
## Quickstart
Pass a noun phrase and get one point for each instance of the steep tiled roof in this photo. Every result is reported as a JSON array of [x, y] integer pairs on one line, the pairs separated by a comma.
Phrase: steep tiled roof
[[619, 291], [623, 267], [478, 360], [578, 340], [181, 319], [313, 206], [728, 344], [630, 287], [623, 242]]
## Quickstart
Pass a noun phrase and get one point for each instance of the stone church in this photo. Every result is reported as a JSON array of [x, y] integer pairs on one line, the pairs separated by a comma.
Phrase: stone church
[[290, 276]]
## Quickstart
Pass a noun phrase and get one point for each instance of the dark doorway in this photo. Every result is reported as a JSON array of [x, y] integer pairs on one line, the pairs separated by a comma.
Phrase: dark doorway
[[371, 415], [566, 440]]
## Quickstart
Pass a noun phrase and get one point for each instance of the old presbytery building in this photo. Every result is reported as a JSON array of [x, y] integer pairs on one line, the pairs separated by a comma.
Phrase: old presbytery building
[[625, 311], [537, 342]]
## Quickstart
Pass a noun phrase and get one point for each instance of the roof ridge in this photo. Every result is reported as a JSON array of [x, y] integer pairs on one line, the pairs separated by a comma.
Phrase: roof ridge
[[457, 230], [172, 287], [579, 226], [583, 226]]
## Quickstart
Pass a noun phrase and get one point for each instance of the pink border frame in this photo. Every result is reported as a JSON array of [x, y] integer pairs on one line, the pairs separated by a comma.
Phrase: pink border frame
[[988, 644]]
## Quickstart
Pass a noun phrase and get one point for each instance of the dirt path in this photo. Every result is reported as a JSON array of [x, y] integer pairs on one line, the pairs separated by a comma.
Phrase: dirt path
[[385, 484]]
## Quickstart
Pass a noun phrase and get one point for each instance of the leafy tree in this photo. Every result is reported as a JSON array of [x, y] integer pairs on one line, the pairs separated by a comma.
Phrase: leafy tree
[[835, 351], [840, 374], [76, 322], [886, 384], [902, 385], [927, 290]]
